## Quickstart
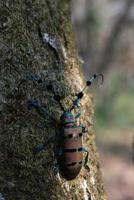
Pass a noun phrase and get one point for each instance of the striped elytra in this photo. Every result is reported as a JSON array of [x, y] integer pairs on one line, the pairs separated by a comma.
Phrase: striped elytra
[[70, 160]]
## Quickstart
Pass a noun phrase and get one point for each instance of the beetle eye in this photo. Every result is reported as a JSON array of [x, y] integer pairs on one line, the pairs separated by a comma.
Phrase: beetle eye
[[80, 134]]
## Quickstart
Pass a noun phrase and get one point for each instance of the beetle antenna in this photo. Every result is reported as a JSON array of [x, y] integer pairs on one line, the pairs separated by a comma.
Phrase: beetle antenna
[[58, 98], [88, 83]]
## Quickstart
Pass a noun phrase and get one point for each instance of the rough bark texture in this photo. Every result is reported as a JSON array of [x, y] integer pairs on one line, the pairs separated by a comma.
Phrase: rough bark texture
[[23, 24]]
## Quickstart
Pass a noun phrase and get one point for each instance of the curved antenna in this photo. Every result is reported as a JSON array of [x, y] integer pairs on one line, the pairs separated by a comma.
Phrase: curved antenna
[[88, 83], [58, 98]]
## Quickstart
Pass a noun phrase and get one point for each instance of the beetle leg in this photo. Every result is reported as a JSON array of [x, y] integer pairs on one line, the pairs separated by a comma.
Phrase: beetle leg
[[37, 78], [56, 168], [60, 152], [78, 115], [82, 149], [58, 99], [32, 77], [38, 148], [84, 129], [86, 158], [41, 109], [42, 147]]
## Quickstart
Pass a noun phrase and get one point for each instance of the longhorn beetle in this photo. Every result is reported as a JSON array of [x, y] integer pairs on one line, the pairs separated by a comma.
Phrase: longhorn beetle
[[70, 153]]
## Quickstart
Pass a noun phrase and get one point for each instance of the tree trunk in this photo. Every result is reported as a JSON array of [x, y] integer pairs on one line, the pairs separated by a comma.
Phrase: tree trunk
[[36, 38]]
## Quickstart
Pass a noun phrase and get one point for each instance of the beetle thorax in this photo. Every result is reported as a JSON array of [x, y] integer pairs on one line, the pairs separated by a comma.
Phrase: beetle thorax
[[67, 118]]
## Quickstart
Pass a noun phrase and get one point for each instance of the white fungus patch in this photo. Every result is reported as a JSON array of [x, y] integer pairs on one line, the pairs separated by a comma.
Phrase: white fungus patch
[[64, 52], [63, 184], [2, 99], [85, 188], [92, 197], [92, 180], [50, 40], [67, 187], [59, 178]]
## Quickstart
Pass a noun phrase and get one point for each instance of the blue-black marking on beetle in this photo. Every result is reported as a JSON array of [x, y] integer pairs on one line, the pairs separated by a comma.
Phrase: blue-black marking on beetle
[[70, 153]]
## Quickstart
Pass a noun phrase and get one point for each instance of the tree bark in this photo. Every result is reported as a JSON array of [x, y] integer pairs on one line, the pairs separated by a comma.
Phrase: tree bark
[[36, 38]]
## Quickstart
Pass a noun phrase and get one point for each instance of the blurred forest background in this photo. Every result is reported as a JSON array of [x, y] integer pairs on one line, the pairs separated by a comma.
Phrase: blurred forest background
[[104, 32]]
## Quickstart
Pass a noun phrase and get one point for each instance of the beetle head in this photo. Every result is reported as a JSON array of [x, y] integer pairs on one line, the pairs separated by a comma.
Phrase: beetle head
[[67, 117]]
